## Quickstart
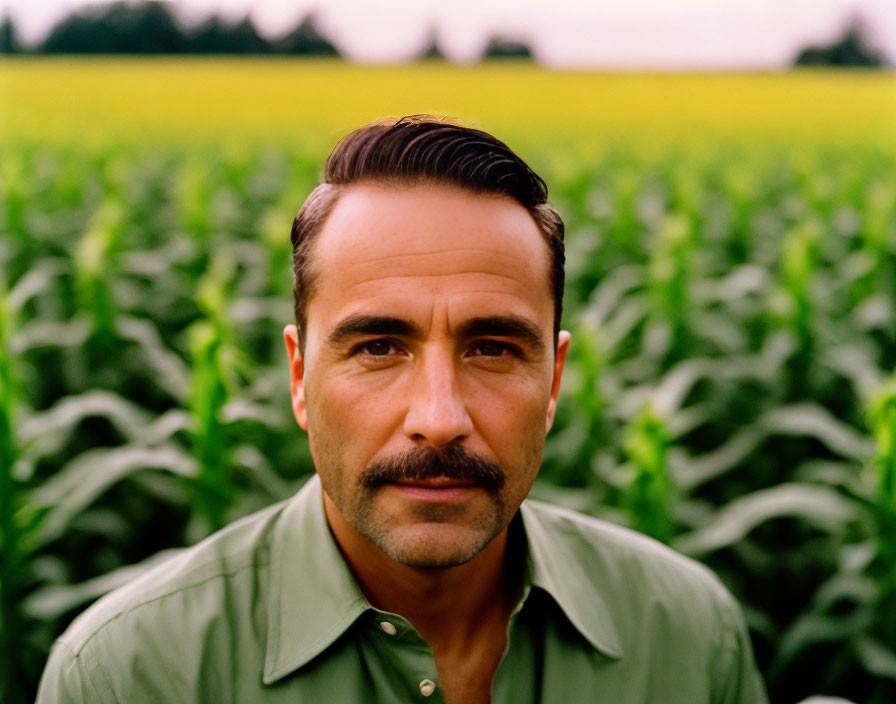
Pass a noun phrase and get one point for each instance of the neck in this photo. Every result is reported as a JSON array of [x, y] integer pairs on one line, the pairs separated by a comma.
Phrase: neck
[[449, 607]]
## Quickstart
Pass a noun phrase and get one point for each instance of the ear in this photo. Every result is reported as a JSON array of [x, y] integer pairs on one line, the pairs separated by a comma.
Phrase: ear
[[296, 376], [559, 361]]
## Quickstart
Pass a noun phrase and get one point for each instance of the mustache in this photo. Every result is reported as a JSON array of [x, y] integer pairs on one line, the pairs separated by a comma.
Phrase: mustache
[[453, 462]]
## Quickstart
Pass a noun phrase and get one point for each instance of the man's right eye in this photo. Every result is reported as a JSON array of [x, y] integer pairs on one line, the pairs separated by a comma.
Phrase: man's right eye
[[377, 348]]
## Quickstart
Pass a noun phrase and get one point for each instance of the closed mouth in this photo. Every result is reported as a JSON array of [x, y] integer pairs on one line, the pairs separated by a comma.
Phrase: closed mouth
[[436, 490], [437, 483]]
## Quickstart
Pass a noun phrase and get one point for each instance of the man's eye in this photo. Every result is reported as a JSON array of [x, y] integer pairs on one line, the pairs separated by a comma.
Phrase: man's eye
[[377, 348], [490, 348]]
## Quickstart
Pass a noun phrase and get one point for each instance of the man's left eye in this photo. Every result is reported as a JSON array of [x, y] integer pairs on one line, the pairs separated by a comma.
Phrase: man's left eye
[[378, 348], [490, 348]]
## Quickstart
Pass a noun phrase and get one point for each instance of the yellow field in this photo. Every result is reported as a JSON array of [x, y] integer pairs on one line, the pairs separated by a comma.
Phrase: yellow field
[[313, 102]]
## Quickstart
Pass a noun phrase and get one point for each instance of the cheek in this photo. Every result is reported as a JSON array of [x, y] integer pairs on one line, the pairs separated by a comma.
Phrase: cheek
[[349, 415], [511, 414]]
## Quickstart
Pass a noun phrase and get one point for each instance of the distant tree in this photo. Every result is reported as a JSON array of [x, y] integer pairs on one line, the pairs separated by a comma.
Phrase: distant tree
[[851, 49], [431, 49], [9, 39], [149, 27], [117, 28], [499, 47], [306, 39], [215, 36], [246, 40], [210, 37]]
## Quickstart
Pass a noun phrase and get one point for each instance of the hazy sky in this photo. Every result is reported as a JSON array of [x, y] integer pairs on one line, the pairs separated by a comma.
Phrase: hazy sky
[[661, 34]]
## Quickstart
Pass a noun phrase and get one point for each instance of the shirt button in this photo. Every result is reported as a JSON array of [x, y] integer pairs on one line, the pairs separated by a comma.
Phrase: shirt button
[[427, 687], [388, 628]]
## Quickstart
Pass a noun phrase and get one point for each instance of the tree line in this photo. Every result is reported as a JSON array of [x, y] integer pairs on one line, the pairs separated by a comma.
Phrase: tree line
[[152, 28]]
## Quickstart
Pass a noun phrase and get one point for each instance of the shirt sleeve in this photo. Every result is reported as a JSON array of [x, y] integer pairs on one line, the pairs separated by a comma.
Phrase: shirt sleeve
[[65, 681], [738, 680]]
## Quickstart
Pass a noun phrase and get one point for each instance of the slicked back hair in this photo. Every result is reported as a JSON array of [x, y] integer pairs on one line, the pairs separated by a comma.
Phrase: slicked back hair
[[423, 149]]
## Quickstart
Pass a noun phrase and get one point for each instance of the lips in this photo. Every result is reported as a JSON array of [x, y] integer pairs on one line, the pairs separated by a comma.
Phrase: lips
[[435, 490], [436, 482]]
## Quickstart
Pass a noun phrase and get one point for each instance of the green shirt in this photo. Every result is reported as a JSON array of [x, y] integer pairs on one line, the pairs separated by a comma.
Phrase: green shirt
[[267, 610]]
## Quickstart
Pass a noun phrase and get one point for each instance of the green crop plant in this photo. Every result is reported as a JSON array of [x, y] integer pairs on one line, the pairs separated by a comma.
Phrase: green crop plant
[[798, 266], [702, 286], [669, 275], [882, 419], [11, 555], [854, 608], [649, 495], [94, 263], [195, 195], [214, 363], [878, 235], [15, 198]]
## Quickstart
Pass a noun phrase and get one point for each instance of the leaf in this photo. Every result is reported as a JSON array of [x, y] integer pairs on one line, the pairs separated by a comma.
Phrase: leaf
[[692, 471], [54, 601], [248, 310], [607, 297], [850, 587], [171, 371], [82, 480], [39, 333], [51, 428], [625, 318], [244, 410], [44, 433], [856, 362], [813, 420], [35, 281], [261, 471], [743, 281], [877, 658], [818, 505], [812, 628], [574, 498]]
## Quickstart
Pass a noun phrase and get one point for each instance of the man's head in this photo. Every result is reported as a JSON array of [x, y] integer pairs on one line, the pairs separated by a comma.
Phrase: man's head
[[430, 361], [423, 149]]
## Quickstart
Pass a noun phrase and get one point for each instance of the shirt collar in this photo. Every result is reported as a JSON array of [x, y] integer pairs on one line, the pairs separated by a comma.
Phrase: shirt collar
[[314, 598], [569, 580]]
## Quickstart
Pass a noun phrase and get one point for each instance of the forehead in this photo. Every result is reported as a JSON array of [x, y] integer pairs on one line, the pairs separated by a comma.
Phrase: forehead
[[382, 241]]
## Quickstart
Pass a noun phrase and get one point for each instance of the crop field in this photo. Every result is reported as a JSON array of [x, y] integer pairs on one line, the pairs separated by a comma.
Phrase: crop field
[[731, 293]]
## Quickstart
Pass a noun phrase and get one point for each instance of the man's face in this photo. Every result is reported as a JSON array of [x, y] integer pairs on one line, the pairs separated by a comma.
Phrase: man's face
[[429, 378]]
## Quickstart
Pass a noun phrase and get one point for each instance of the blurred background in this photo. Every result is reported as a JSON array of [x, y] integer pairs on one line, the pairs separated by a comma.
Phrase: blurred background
[[727, 173]]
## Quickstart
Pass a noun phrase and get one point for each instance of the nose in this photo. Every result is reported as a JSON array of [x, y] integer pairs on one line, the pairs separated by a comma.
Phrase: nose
[[437, 413]]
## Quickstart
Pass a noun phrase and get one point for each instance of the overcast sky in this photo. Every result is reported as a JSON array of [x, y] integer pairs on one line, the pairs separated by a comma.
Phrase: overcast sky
[[649, 34]]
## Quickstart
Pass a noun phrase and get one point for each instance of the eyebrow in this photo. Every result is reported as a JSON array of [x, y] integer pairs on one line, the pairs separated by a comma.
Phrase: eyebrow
[[514, 326], [372, 325]]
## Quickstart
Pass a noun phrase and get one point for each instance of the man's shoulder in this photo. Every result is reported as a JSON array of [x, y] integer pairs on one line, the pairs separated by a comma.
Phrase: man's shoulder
[[642, 603], [611, 556], [196, 573]]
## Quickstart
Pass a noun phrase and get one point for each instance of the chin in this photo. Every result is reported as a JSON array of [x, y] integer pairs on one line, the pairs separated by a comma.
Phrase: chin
[[433, 546]]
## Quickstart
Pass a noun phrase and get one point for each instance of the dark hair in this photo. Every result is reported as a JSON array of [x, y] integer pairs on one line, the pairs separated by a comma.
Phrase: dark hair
[[423, 148]]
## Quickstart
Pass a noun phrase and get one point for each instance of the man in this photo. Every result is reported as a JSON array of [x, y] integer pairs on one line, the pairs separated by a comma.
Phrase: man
[[425, 366]]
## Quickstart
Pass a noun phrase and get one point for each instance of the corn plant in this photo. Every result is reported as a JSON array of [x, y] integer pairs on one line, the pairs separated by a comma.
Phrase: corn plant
[[212, 356], [669, 273], [11, 553], [650, 494], [879, 655], [731, 309]]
